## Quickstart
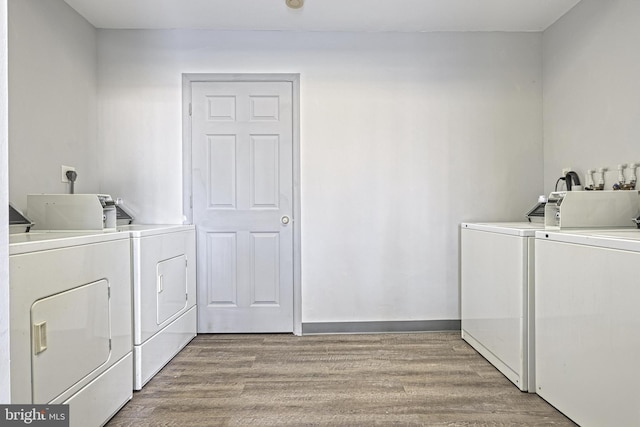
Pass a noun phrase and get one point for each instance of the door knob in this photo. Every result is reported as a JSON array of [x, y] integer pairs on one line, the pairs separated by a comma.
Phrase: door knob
[[284, 220]]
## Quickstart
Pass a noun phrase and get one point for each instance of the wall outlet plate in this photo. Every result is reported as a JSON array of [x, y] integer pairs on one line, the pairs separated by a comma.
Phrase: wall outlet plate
[[566, 170], [64, 169]]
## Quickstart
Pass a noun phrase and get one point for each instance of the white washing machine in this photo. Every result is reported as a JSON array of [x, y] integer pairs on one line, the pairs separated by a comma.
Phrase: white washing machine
[[163, 267], [587, 323], [497, 296], [70, 330]]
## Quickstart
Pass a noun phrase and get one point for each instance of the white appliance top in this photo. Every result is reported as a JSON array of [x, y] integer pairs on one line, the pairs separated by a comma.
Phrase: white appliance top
[[145, 230], [522, 229], [34, 241], [623, 239]]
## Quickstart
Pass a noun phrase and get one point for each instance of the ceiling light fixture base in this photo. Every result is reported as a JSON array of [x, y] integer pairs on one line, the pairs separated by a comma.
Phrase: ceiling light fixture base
[[294, 4]]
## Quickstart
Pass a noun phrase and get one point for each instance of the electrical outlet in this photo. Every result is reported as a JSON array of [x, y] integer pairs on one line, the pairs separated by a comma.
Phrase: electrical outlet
[[566, 170], [64, 169]]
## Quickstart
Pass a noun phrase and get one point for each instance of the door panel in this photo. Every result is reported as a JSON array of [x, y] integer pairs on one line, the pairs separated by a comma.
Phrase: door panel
[[222, 171], [221, 272], [265, 268], [264, 171], [242, 160]]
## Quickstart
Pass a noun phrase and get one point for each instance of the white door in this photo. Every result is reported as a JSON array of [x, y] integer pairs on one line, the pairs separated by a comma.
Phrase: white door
[[242, 173]]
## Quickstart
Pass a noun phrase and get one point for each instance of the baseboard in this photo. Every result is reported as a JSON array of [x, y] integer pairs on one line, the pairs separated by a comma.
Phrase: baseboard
[[379, 327]]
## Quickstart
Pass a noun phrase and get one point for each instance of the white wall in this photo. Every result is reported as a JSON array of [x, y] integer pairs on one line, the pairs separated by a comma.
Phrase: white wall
[[403, 137], [4, 220], [50, 92], [592, 87], [52, 98]]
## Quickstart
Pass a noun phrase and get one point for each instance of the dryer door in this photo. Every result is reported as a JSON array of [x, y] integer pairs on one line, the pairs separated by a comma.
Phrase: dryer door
[[172, 287], [71, 337]]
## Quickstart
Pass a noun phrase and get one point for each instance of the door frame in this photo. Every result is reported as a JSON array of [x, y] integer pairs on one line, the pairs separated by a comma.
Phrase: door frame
[[187, 189]]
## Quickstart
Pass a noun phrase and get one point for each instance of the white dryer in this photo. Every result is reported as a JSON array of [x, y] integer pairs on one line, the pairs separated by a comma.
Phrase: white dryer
[[163, 267], [497, 296], [70, 333], [587, 322]]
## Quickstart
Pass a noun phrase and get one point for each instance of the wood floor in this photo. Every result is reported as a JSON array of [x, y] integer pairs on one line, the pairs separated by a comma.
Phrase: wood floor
[[430, 379]]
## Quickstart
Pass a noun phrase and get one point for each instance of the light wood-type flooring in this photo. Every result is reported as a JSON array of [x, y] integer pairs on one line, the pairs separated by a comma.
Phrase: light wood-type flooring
[[427, 379]]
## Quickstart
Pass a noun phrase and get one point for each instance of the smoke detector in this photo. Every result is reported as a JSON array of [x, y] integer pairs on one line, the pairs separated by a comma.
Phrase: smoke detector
[[295, 4]]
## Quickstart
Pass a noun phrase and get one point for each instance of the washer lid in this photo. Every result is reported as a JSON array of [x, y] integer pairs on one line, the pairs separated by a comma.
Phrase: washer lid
[[146, 230], [523, 229], [46, 240], [622, 239]]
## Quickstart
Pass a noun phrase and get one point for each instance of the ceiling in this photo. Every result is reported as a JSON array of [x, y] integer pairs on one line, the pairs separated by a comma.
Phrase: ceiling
[[325, 15]]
